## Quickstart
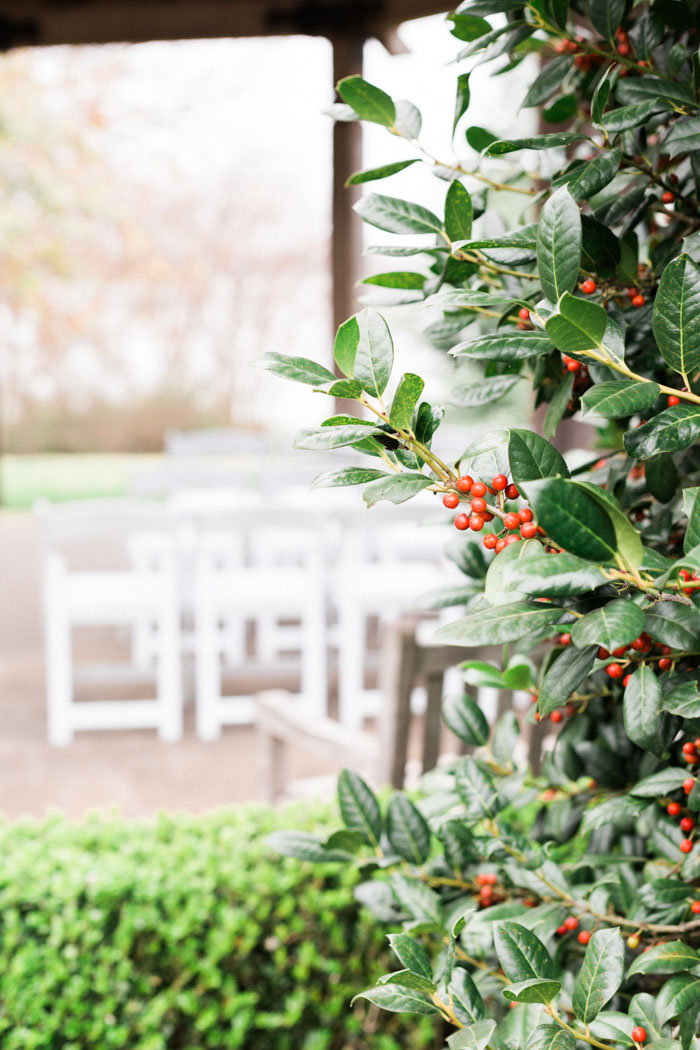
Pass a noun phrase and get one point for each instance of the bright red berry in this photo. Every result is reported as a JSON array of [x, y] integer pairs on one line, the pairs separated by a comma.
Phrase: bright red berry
[[638, 301], [525, 514], [512, 491], [695, 907], [688, 747], [490, 540], [626, 680], [565, 639], [478, 505], [584, 937], [476, 522], [500, 545], [524, 313], [561, 930], [513, 538], [450, 500], [639, 1034], [486, 891], [673, 400], [603, 654], [620, 651], [571, 922], [667, 197], [686, 846], [639, 644], [588, 287], [499, 482], [665, 663], [673, 809], [623, 49], [478, 489], [688, 784], [465, 483], [528, 530], [687, 824], [615, 670], [462, 522], [511, 520], [557, 716]]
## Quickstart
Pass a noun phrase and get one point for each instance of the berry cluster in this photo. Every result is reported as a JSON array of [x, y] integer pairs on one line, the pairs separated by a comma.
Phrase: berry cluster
[[486, 881], [517, 525]]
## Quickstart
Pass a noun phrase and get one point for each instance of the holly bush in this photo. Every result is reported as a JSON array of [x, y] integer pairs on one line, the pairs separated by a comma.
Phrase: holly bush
[[563, 909]]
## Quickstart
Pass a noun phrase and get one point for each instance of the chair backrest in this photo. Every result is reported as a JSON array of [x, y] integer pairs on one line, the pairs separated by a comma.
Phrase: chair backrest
[[214, 441], [173, 478]]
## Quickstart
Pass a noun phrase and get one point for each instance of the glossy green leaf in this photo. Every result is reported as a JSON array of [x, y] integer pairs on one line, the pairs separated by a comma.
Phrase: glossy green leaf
[[299, 369], [674, 624], [346, 476], [505, 623], [600, 975], [399, 1000], [405, 400], [673, 429], [532, 458], [623, 118], [408, 979], [669, 957], [618, 399], [359, 807], [345, 346], [384, 171], [484, 391], [467, 1002], [547, 82], [397, 216], [369, 102], [662, 477], [661, 783], [683, 701], [684, 137], [459, 212], [560, 110], [676, 318], [588, 179], [374, 356], [557, 407], [504, 346], [613, 625], [559, 244], [555, 575], [551, 1037], [606, 16], [476, 789], [535, 990], [691, 507], [555, 138], [600, 97], [462, 98], [468, 27], [521, 953], [573, 519], [629, 542], [319, 439], [677, 995], [407, 830], [422, 903], [304, 846], [500, 588], [577, 326], [564, 676], [396, 488], [465, 718], [411, 954], [645, 723], [404, 279]]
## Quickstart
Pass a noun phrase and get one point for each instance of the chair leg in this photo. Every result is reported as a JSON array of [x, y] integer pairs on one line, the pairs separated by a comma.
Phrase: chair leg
[[314, 671], [169, 664], [351, 660], [399, 664], [431, 738], [273, 766], [59, 675], [207, 670]]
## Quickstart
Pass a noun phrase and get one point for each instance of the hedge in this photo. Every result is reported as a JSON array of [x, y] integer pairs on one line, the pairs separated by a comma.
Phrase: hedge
[[183, 933]]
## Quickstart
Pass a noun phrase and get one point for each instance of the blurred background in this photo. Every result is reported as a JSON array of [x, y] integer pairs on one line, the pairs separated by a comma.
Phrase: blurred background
[[166, 218]]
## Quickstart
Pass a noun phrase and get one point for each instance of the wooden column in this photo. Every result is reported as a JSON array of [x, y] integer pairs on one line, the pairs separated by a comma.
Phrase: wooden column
[[346, 235]]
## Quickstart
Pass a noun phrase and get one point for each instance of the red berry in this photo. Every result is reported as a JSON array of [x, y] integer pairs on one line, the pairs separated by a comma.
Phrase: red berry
[[673, 809], [603, 654], [621, 651], [614, 670], [462, 522], [525, 514], [688, 784], [491, 879], [687, 824], [673, 400], [478, 505], [631, 292], [666, 649], [639, 644], [511, 520], [638, 301], [513, 538], [500, 545], [623, 49], [665, 663], [561, 930], [499, 482], [639, 1034], [512, 491], [584, 937], [557, 716], [588, 287], [478, 489], [490, 540], [465, 483], [667, 197], [695, 907], [571, 922], [476, 522], [524, 313], [565, 639], [486, 892], [561, 46], [626, 679], [481, 879], [528, 530], [686, 846], [688, 747], [450, 500]]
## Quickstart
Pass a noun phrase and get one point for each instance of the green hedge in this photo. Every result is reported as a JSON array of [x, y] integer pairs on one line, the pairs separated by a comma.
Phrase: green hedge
[[185, 933]]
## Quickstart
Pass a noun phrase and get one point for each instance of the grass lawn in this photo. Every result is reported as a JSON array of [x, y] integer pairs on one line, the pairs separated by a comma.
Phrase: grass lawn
[[24, 479]]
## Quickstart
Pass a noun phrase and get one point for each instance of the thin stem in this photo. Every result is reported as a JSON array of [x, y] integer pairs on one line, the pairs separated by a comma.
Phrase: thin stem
[[586, 1038]]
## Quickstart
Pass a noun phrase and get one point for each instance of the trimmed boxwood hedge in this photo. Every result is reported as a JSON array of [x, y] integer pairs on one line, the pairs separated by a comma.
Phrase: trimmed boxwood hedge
[[183, 933]]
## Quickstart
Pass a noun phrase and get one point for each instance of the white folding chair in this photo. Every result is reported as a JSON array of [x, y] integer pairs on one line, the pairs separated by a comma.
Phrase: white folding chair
[[278, 589], [142, 597]]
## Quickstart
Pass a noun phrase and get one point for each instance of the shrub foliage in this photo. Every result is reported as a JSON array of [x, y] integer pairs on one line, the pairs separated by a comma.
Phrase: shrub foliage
[[561, 910]]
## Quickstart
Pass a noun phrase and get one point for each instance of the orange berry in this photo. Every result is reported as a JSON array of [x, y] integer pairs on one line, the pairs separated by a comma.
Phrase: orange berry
[[588, 287]]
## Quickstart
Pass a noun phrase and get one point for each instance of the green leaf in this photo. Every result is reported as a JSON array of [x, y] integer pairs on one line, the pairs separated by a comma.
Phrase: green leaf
[[397, 216], [304, 846], [369, 102], [674, 624], [577, 326], [399, 1000], [465, 718], [504, 346], [411, 954], [382, 172], [619, 813], [374, 356], [407, 830], [428, 419], [661, 783], [321, 438], [648, 87], [505, 623], [483, 391], [588, 179], [466, 998], [406, 279], [559, 245], [396, 488], [535, 990], [629, 542], [500, 589], [558, 405], [407, 979], [691, 507], [547, 82], [573, 519], [683, 701], [299, 369], [476, 790], [564, 676], [459, 212], [684, 137], [613, 625], [345, 346], [606, 16], [645, 723], [662, 477], [359, 807], [561, 109], [555, 138], [555, 575], [618, 399], [600, 975], [669, 957], [551, 1037], [346, 476], [468, 27], [521, 953], [463, 98], [532, 458], [676, 996], [479, 138], [405, 400], [624, 118], [600, 97], [676, 318], [422, 903]]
